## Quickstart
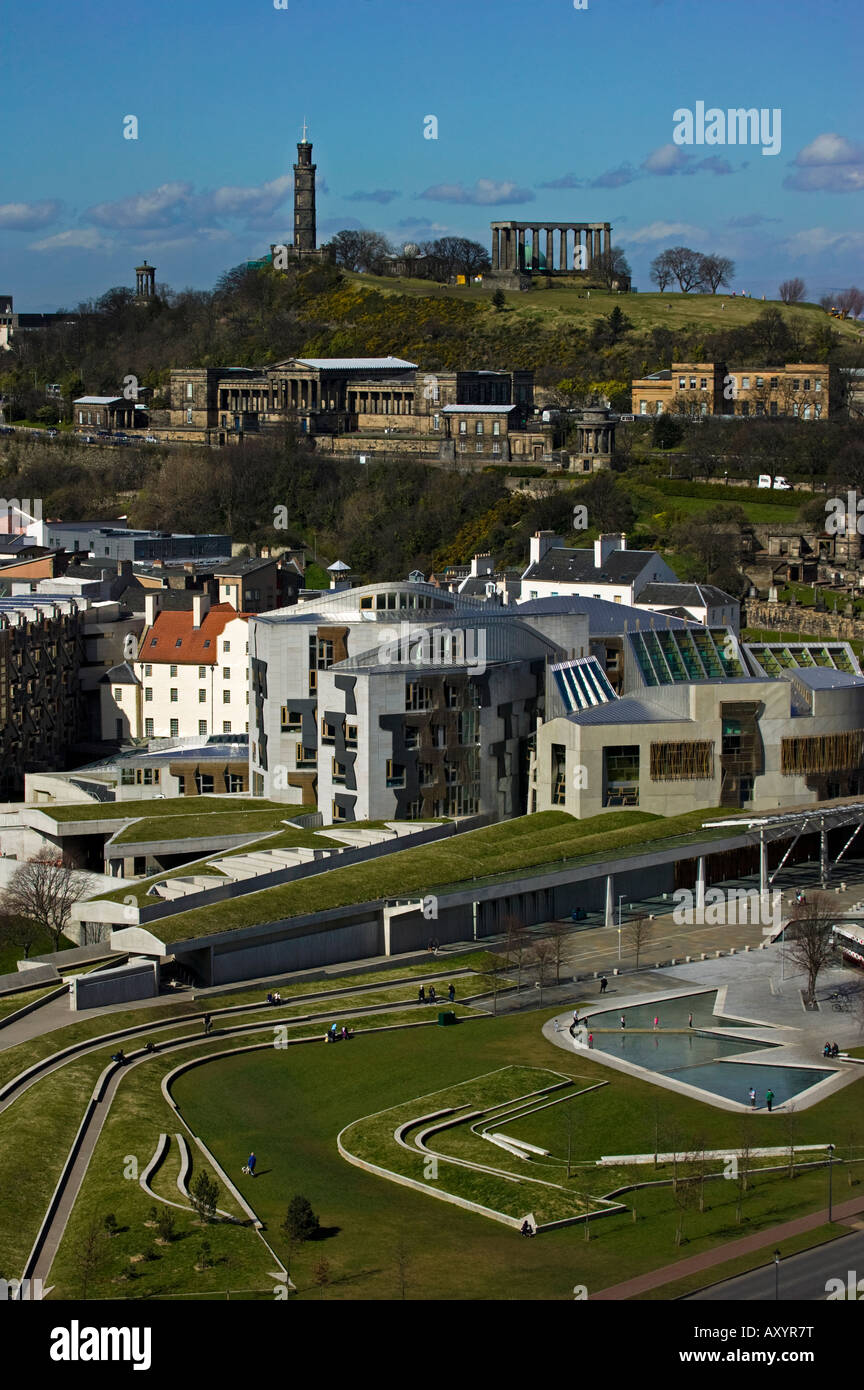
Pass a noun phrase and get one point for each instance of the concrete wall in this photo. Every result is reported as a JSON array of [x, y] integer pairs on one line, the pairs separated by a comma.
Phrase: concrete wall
[[137, 980]]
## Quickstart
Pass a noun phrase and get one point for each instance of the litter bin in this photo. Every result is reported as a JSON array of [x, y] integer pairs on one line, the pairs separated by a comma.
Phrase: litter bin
[[446, 1017]]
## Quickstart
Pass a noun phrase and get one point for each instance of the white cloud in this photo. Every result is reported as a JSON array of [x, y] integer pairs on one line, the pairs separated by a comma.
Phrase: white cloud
[[666, 231], [29, 217], [817, 241], [484, 193], [829, 164], [78, 239], [159, 207]]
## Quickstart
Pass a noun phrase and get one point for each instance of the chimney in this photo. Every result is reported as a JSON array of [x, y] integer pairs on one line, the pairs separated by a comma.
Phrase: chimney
[[605, 545], [542, 541], [200, 607], [152, 605], [481, 564]]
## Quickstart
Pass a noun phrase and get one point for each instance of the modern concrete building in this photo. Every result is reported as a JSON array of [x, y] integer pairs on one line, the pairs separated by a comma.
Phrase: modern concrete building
[[703, 720], [396, 701]]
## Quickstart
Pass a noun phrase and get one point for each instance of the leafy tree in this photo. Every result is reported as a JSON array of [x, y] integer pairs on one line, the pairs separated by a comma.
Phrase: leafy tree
[[612, 267], [165, 1224], [301, 1222], [610, 507], [360, 250], [499, 299], [666, 432], [204, 1194]]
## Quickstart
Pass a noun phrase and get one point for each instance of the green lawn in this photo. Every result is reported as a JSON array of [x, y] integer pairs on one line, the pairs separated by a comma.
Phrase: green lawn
[[523, 843], [290, 1106], [171, 806], [656, 503]]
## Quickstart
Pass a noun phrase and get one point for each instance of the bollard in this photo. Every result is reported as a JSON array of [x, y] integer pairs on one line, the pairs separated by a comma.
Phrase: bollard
[[718, 954], [746, 948], [688, 960], [703, 956], [617, 970], [732, 950]]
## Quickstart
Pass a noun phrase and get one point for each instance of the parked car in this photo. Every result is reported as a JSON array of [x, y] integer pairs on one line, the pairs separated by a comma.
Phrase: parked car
[[52, 434], [779, 483], [6, 429], [150, 439], [103, 434]]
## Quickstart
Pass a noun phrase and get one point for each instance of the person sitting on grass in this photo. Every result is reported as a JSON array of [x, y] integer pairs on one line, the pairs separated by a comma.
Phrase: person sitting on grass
[[433, 997]]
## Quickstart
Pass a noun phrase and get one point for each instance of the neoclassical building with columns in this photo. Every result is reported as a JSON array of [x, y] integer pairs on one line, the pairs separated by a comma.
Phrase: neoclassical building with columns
[[518, 247]]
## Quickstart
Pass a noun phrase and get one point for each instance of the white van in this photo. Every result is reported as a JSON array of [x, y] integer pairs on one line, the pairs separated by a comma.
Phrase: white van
[[764, 480], [779, 484]]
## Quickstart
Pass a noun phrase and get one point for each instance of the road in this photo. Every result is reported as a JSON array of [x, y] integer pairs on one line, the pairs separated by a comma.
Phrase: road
[[801, 1277]]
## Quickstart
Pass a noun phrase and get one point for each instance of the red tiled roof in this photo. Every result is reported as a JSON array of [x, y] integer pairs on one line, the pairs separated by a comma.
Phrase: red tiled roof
[[198, 646]]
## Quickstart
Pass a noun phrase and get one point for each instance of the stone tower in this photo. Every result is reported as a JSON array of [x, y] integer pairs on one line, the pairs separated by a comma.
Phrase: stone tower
[[304, 197], [145, 281]]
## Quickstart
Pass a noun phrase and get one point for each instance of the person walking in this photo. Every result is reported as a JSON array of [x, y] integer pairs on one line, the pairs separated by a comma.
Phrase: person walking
[[690, 1021], [250, 1164], [769, 1100], [752, 1098], [451, 993], [208, 1022], [604, 984], [590, 1039], [656, 1021], [421, 995], [623, 1021]]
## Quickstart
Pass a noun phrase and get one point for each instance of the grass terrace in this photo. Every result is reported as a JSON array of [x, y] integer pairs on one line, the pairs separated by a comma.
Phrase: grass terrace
[[171, 806], [477, 857], [287, 838]]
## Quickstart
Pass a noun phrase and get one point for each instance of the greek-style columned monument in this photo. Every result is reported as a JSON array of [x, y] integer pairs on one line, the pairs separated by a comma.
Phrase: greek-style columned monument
[[522, 249]]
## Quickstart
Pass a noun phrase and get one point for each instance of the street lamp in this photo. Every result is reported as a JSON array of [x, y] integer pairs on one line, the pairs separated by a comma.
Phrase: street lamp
[[830, 1190], [776, 1274], [621, 898]]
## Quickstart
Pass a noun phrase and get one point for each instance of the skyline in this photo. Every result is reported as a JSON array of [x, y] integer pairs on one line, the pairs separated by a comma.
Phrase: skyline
[[554, 112]]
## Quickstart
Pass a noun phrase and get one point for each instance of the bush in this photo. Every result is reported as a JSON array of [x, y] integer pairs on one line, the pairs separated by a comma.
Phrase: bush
[[204, 1194], [666, 432]]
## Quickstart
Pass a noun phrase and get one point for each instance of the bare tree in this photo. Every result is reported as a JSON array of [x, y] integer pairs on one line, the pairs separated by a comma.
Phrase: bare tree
[[851, 302], [808, 938], [611, 267], [638, 934], [686, 267], [793, 291], [542, 956], [403, 1266], [744, 1158], [89, 1255], [661, 270], [715, 271], [518, 944], [45, 891], [559, 933]]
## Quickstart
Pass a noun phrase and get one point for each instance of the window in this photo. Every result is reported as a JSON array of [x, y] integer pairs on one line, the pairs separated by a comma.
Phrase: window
[[478, 427], [692, 383], [682, 383], [559, 774], [351, 736], [148, 692], [703, 383], [463, 426], [806, 383], [148, 669], [174, 728], [204, 783], [291, 718], [226, 726], [202, 697], [417, 697], [148, 728], [118, 693], [338, 770], [796, 384], [436, 422], [731, 736], [395, 774], [172, 671], [643, 407], [127, 777], [305, 757], [202, 726], [774, 383], [478, 447], [189, 417], [338, 812], [817, 410], [153, 641], [412, 737], [179, 642], [189, 390], [817, 384], [328, 732], [496, 450], [226, 673], [760, 381], [427, 774], [173, 695], [226, 697], [202, 673], [496, 426], [234, 780], [451, 696], [226, 646], [206, 642], [745, 383], [621, 775]]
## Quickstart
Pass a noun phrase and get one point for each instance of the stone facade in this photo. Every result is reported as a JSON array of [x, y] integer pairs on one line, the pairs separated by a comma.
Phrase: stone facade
[[800, 390]]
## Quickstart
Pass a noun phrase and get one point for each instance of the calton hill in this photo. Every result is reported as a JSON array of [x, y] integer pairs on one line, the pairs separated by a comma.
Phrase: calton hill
[[675, 483]]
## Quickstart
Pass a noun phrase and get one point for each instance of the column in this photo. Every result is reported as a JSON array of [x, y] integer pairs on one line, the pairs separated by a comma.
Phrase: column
[[607, 239], [535, 248], [550, 250], [823, 854], [763, 871], [562, 261], [495, 248], [610, 901], [598, 242], [700, 886], [577, 248], [520, 248]]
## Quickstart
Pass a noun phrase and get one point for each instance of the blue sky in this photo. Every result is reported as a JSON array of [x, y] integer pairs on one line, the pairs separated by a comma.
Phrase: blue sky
[[543, 110]]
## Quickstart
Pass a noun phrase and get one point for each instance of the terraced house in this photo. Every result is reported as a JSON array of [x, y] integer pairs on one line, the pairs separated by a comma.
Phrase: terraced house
[[798, 390]]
